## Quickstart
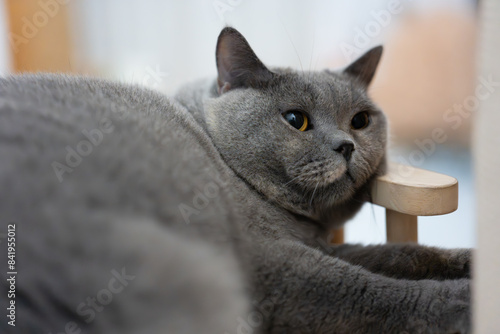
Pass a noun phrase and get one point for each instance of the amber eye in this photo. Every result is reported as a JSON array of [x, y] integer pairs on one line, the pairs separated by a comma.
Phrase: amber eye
[[297, 119], [360, 120]]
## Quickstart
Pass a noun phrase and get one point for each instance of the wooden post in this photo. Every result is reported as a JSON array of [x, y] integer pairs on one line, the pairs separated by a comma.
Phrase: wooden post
[[39, 36], [338, 237], [401, 227]]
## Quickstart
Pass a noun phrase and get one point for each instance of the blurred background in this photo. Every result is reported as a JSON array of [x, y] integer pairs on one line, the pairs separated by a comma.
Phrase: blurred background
[[427, 82]]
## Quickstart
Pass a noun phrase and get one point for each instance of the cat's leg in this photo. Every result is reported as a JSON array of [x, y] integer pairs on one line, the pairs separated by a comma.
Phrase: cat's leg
[[410, 261], [306, 291]]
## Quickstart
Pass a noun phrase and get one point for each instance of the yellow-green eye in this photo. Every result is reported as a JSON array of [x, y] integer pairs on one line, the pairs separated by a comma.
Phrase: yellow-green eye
[[297, 119], [360, 120]]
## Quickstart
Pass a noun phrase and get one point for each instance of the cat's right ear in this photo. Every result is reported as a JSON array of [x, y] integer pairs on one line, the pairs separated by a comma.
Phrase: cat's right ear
[[363, 69], [237, 64]]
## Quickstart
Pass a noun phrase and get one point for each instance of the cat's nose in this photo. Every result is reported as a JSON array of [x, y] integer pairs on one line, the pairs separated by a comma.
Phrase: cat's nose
[[345, 148]]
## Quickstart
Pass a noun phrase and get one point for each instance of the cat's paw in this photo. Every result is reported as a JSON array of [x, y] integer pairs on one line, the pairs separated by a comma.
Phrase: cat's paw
[[460, 263], [449, 310], [457, 313]]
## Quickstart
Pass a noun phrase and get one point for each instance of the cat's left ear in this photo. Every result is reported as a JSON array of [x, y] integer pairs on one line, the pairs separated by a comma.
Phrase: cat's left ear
[[237, 64], [365, 66]]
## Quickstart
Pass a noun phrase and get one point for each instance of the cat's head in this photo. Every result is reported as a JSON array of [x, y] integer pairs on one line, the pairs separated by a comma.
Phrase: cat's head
[[309, 141]]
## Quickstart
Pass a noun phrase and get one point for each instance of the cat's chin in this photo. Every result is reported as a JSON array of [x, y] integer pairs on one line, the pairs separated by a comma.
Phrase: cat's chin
[[318, 201], [348, 192], [342, 200], [339, 191]]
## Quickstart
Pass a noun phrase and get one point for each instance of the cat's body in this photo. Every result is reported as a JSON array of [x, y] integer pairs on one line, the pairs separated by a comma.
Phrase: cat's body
[[200, 215]]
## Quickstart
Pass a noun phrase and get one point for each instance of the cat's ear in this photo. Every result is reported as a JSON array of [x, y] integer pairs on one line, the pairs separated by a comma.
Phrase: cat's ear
[[237, 64], [365, 66]]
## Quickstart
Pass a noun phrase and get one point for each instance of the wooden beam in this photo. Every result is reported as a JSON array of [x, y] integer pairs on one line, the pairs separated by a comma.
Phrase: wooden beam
[[414, 191]]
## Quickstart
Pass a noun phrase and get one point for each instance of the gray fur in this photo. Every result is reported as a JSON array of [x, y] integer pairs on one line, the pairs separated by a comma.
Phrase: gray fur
[[214, 204]]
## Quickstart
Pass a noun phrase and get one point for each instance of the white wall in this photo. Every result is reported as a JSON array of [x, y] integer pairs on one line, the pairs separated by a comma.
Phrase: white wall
[[125, 38], [487, 163]]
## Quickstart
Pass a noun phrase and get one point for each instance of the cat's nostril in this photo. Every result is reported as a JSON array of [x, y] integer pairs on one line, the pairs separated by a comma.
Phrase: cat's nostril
[[345, 148]]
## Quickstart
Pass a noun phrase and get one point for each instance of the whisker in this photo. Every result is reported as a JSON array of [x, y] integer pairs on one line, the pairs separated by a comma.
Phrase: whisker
[[312, 197], [293, 45], [295, 178], [372, 206], [316, 63], [370, 169], [312, 51]]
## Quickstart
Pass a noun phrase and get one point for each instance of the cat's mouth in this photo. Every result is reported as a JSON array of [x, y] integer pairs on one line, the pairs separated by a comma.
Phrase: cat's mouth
[[322, 184], [350, 177], [319, 173]]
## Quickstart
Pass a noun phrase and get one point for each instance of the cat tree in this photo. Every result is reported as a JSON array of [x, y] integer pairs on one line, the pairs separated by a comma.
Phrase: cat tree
[[406, 193]]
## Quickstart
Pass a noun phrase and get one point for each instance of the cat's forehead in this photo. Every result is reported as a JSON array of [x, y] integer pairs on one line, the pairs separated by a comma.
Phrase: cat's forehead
[[325, 86]]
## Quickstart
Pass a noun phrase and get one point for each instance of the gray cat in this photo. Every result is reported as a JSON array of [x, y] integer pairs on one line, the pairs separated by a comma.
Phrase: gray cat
[[135, 213]]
